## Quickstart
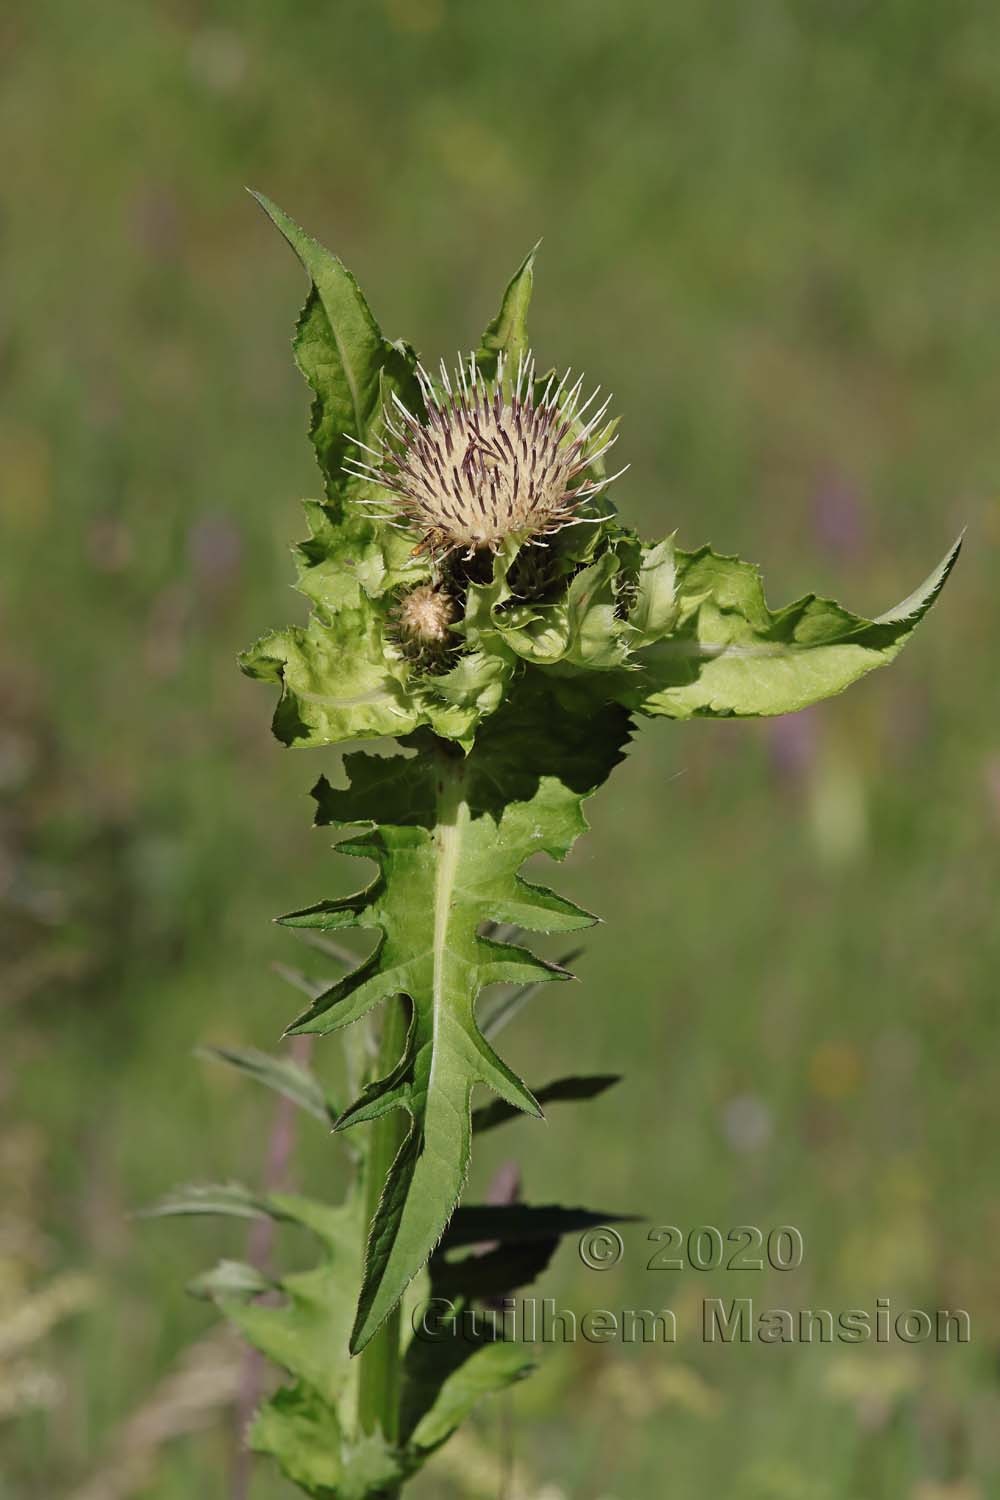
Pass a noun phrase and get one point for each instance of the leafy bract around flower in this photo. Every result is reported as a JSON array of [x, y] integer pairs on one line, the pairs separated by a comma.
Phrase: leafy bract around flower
[[555, 587]]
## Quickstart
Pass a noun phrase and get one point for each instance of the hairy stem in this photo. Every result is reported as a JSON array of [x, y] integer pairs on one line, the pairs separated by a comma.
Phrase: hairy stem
[[378, 1379]]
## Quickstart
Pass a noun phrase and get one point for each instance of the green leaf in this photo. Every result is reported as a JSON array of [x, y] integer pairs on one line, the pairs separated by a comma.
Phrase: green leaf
[[593, 631], [331, 1224], [448, 837], [340, 679], [476, 682], [340, 350], [229, 1199], [585, 1087], [230, 1278], [305, 1436], [507, 334], [465, 1358], [654, 607], [509, 1003], [348, 559], [279, 1073], [372, 1469], [734, 655], [579, 627], [582, 628], [302, 1433], [307, 1333], [486, 1371], [343, 676], [303, 1328]]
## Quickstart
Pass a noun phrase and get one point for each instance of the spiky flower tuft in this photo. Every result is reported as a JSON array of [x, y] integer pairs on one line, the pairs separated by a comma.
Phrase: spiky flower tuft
[[490, 460], [424, 615]]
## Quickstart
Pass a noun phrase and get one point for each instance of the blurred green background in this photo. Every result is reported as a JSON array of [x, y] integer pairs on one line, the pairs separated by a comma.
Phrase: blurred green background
[[773, 231]]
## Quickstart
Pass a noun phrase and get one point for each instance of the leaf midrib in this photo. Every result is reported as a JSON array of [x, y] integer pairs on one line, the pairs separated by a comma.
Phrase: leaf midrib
[[452, 820], [349, 375]]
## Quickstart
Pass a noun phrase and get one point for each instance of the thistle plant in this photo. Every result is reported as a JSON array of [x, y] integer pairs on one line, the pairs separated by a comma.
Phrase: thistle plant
[[476, 599]]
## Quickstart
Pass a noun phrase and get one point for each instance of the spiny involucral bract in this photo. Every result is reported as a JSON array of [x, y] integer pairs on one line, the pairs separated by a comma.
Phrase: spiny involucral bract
[[490, 460]]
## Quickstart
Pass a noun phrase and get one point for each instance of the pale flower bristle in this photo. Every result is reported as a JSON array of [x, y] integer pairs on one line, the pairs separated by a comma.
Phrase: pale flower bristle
[[489, 462], [424, 615]]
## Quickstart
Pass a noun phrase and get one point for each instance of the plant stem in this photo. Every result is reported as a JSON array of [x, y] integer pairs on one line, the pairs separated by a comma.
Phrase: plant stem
[[378, 1378]]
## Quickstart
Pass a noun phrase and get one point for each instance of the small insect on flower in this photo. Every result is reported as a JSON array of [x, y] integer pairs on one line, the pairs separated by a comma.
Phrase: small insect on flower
[[488, 462]]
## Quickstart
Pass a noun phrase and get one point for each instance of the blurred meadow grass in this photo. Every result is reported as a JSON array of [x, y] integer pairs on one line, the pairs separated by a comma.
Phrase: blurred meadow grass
[[772, 230]]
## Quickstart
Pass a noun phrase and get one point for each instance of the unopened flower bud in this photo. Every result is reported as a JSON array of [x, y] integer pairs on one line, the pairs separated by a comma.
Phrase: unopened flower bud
[[424, 616]]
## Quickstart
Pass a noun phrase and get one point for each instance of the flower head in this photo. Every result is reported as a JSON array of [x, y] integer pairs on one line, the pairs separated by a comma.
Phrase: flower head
[[489, 461], [423, 619]]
